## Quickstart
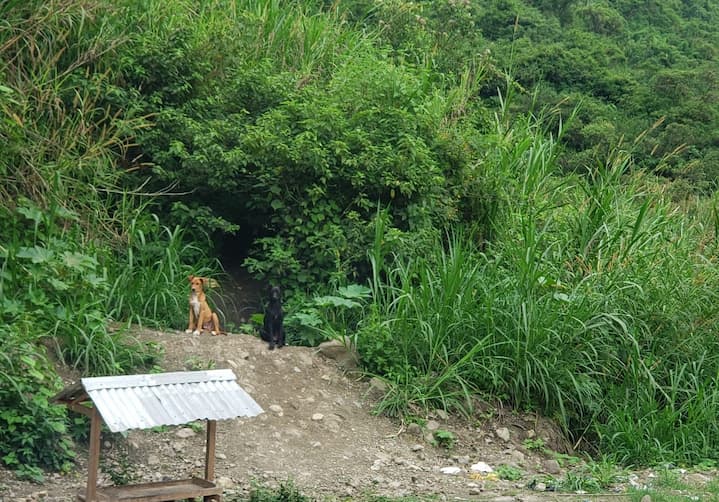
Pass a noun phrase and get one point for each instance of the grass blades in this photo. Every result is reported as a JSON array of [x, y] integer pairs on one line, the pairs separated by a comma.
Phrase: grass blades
[[595, 304]]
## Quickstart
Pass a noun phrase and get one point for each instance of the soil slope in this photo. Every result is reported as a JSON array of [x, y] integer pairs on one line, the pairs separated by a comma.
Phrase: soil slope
[[317, 431]]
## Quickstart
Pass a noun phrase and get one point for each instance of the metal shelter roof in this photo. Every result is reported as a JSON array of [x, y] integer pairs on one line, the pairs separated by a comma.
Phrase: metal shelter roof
[[145, 401]]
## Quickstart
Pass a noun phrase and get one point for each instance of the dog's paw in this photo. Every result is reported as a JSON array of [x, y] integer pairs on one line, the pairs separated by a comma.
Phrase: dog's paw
[[188, 331], [196, 332], [213, 333]]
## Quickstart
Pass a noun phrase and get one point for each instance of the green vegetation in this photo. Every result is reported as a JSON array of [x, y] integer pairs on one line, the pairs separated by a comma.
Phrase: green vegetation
[[513, 199]]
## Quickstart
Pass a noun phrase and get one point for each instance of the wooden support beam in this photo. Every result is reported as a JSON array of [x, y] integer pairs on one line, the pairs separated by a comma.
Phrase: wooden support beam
[[93, 462], [210, 450], [88, 411]]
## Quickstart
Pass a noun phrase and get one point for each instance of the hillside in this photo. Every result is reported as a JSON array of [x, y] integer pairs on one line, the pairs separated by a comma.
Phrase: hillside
[[513, 199]]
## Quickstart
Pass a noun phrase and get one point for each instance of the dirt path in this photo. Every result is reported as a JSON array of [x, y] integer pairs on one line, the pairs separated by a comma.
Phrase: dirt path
[[318, 431]]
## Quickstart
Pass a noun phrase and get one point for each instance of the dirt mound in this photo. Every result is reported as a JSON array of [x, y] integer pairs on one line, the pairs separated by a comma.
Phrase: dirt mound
[[318, 431]]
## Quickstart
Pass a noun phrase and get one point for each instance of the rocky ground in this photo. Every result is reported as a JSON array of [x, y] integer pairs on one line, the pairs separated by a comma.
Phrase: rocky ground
[[318, 431]]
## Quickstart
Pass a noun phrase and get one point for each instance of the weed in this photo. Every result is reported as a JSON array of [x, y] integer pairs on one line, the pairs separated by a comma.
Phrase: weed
[[119, 468], [196, 426], [444, 438], [509, 472], [195, 363], [535, 444], [286, 492]]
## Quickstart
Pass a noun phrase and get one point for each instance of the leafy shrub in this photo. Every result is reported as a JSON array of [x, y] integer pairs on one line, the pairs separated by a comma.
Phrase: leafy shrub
[[286, 492], [32, 430], [327, 317]]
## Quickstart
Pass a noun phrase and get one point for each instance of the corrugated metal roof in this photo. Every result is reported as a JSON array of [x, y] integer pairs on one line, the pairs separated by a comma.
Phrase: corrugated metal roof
[[144, 401]]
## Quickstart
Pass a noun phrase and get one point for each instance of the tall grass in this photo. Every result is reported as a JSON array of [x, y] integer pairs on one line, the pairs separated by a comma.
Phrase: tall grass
[[150, 279], [595, 303], [301, 38]]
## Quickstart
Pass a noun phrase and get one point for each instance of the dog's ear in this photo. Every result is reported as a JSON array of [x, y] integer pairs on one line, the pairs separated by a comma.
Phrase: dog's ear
[[189, 279]]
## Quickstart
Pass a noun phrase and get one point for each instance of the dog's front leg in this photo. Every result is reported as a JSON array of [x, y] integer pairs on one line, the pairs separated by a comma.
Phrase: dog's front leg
[[190, 326], [201, 320], [281, 340], [272, 337]]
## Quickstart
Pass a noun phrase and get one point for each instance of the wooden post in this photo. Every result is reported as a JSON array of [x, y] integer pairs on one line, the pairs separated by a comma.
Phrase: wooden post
[[94, 456], [210, 450]]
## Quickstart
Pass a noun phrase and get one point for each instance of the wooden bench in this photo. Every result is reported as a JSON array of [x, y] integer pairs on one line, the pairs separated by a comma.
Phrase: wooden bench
[[165, 491]]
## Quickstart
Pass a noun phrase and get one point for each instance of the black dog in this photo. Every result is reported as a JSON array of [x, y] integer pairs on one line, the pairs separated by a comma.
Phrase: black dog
[[273, 330]]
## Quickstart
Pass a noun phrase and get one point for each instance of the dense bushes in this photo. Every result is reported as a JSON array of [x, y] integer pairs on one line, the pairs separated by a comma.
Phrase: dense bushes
[[70, 232], [31, 429]]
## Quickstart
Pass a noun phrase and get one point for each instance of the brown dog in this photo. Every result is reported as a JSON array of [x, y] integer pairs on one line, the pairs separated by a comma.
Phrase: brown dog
[[201, 316]]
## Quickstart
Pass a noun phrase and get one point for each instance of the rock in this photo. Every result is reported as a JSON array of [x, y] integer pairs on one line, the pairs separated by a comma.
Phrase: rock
[[551, 466], [221, 456], [153, 460], [377, 385], [414, 429], [277, 410], [531, 434], [517, 456], [341, 351], [646, 498], [441, 414], [185, 433], [224, 482], [502, 433], [432, 425], [317, 417], [417, 447], [540, 487], [697, 479]]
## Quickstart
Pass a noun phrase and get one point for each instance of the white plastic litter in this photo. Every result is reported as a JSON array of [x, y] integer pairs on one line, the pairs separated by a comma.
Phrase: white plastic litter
[[481, 467]]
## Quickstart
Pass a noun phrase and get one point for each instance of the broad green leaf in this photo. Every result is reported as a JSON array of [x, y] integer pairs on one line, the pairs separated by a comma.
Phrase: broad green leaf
[[335, 301], [95, 280], [354, 291], [36, 254], [58, 284], [31, 213], [310, 320], [79, 260]]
